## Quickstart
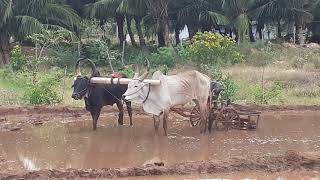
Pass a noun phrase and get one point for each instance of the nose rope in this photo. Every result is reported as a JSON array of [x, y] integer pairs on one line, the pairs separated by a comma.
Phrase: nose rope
[[77, 93]]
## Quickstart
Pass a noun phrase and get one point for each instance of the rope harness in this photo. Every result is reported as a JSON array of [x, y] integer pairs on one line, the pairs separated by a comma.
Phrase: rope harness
[[149, 87], [147, 94]]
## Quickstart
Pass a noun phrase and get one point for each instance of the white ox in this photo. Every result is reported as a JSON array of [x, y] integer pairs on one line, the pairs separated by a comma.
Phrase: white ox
[[173, 91]]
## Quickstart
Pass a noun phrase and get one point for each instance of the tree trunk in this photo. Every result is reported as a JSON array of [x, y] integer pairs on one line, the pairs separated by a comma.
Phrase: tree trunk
[[133, 41], [177, 35], [161, 38], [300, 33], [230, 33], [139, 30], [205, 27], [251, 36], [4, 49], [167, 33], [220, 32], [237, 36], [259, 30], [192, 30], [120, 22], [279, 29]]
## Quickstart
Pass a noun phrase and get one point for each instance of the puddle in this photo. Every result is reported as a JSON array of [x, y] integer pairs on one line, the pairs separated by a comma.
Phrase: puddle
[[66, 144]]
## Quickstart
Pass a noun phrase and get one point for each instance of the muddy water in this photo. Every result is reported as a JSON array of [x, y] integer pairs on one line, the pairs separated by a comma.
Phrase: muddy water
[[236, 176], [69, 142]]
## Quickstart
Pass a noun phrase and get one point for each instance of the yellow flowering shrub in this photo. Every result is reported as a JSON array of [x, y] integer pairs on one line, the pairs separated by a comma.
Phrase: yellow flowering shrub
[[214, 49]]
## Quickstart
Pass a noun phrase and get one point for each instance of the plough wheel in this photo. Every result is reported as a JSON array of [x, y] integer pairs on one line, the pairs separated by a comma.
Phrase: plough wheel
[[226, 118], [195, 117]]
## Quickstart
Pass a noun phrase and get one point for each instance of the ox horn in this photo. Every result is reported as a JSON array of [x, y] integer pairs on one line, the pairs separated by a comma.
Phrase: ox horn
[[94, 72], [145, 74], [136, 74], [78, 71]]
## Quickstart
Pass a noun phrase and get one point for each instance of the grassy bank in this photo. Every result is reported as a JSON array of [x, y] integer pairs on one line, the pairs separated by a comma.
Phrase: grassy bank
[[281, 86]]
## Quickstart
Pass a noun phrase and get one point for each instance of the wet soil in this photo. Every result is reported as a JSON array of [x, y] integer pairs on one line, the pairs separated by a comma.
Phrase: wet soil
[[7, 110], [290, 161], [59, 143], [298, 175]]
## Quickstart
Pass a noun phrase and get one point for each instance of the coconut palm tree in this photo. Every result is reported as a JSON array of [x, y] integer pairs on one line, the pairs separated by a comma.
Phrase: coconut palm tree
[[293, 12], [207, 15], [24, 17], [136, 10], [106, 9]]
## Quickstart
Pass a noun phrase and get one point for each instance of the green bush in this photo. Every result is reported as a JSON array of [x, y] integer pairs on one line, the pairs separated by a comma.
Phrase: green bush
[[44, 92], [213, 71], [135, 56], [214, 49], [164, 57], [128, 72], [100, 52], [229, 85], [18, 60], [64, 56], [230, 88], [265, 95]]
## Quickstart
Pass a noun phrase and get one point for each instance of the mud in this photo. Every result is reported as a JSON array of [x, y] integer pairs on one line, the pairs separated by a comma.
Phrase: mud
[[289, 161], [59, 143], [7, 110], [298, 175]]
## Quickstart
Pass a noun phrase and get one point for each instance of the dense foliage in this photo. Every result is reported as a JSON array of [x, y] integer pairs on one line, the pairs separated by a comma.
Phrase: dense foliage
[[214, 49], [142, 19]]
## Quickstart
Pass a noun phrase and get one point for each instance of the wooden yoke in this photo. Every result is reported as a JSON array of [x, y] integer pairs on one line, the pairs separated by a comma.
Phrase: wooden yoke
[[105, 80]]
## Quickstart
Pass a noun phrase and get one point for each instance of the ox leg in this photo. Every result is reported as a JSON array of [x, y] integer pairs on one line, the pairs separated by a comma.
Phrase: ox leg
[[165, 125], [95, 116], [204, 118], [120, 116], [129, 109], [210, 121], [156, 122]]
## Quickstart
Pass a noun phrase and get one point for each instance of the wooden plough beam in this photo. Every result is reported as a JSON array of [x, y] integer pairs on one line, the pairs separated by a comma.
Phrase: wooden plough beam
[[105, 80]]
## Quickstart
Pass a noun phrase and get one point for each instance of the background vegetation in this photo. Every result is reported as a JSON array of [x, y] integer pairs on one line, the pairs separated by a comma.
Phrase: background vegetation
[[256, 48]]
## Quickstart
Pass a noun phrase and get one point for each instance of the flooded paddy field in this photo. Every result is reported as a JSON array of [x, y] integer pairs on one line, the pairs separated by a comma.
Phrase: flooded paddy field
[[61, 144]]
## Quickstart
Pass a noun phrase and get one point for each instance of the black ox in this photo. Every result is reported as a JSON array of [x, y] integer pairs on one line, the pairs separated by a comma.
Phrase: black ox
[[98, 95]]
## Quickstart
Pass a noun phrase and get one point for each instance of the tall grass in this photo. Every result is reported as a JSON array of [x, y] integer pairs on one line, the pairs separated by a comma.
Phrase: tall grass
[[293, 86]]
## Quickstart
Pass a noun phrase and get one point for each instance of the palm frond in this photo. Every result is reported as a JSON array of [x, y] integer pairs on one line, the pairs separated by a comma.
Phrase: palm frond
[[241, 23], [102, 8], [5, 11], [27, 25], [213, 18], [62, 15]]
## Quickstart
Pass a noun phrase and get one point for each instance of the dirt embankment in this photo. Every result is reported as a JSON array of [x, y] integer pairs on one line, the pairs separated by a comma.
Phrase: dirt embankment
[[43, 109], [4, 110], [290, 161]]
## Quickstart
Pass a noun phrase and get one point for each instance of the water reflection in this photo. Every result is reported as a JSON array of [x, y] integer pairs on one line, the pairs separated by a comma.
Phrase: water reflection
[[72, 144]]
